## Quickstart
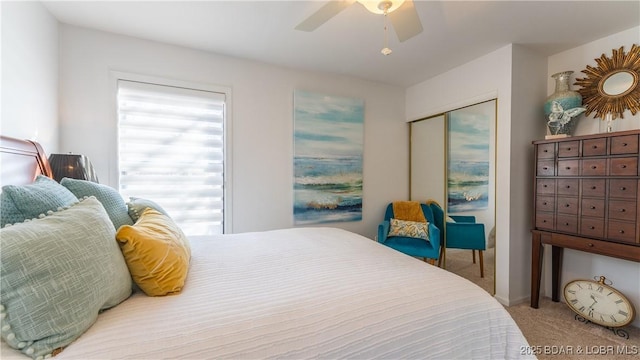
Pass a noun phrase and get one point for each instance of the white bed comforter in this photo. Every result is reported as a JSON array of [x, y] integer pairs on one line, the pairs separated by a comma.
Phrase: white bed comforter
[[305, 293]]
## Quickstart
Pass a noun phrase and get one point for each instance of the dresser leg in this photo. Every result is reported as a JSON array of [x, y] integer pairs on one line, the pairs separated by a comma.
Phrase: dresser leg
[[536, 268], [556, 265]]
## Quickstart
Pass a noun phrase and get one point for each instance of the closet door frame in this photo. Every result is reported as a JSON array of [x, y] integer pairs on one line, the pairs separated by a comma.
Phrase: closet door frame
[[428, 159]]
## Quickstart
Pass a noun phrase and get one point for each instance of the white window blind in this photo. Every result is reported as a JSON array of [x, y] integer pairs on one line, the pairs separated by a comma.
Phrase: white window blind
[[171, 151]]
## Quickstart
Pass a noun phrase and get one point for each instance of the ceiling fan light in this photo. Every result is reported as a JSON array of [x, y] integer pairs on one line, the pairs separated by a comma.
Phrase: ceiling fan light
[[378, 6]]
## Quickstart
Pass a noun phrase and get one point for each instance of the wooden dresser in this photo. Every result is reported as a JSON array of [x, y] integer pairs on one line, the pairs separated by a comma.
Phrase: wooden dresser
[[587, 198]]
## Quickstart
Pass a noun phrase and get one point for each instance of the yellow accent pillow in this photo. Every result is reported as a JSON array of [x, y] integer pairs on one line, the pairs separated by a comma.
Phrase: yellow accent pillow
[[157, 253], [408, 211]]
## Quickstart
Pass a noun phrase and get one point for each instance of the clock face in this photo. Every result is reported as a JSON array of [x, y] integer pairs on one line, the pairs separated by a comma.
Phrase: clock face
[[598, 303]]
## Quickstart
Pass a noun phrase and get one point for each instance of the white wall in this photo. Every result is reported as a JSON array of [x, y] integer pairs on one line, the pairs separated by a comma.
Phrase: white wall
[[262, 121], [527, 124], [579, 265], [486, 78], [29, 73]]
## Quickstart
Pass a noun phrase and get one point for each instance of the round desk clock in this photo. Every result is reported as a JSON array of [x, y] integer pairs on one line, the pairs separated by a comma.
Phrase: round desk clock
[[599, 302]]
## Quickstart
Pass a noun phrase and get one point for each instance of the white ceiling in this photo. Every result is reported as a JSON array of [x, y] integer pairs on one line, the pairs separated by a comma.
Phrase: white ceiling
[[455, 32]]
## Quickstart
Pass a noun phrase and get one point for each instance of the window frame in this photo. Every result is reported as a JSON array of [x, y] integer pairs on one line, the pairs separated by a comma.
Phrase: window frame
[[113, 177]]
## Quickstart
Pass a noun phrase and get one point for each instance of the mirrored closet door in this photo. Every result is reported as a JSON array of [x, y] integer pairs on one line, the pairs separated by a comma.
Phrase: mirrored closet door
[[452, 163]]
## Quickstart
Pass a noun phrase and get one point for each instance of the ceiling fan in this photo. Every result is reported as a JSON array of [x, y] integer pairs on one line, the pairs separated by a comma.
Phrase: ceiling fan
[[402, 14]]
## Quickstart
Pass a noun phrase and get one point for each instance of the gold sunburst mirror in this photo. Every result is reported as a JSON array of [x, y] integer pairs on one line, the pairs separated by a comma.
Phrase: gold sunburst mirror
[[614, 85]]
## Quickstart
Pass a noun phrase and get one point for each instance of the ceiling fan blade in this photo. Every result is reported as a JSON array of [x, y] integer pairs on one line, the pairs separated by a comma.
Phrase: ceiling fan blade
[[405, 21], [326, 12]]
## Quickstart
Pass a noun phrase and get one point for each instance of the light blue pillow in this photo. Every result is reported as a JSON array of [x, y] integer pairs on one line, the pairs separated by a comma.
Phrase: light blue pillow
[[137, 206], [58, 272], [9, 214], [21, 202], [109, 197]]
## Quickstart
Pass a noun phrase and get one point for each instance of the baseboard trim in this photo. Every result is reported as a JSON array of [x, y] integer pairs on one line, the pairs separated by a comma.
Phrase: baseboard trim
[[507, 302]]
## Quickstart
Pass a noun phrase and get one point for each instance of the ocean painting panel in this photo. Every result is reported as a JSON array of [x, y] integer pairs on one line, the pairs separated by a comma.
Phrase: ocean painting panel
[[328, 147], [468, 161]]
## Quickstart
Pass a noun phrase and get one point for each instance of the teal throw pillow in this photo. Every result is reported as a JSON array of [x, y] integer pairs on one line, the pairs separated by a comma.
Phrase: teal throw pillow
[[9, 213], [136, 206], [57, 273], [21, 202], [108, 196], [412, 229]]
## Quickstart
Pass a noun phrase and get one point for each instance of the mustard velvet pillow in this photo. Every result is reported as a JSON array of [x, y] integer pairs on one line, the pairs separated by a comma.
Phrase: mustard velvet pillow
[[157, 253], [412, 229]]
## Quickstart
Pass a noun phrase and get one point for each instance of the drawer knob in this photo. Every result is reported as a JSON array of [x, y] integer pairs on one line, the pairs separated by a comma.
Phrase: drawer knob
[[621, 231], [568, 186], [623, 188], [545, 150], [569, 205], [594, 147], [624, 166], [623, 210], [593, 167], [590, 245], [593, 188], [544, 203], [566, 224], [568, 167], [624, 144], [593, 207], [568, 149], [545, 168], [544, 186], [593, 228]]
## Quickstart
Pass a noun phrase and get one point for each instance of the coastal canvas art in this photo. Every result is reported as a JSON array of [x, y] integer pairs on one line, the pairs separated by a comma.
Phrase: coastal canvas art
[[328, 147], [468, 160]]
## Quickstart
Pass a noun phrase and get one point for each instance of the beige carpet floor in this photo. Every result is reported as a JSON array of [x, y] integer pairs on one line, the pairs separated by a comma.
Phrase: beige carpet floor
[[552, 330], [461, 262]]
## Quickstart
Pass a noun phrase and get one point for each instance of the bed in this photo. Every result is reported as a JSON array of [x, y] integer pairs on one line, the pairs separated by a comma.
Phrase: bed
[[291, 294]]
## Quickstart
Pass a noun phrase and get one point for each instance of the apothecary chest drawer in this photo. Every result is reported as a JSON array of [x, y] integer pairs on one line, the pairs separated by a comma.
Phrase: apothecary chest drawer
[[569, 167], [568, 187], [594, 147], [592, 207], [546, 186], [625, 166], [627, 144], [592, 227], [547, 151], [622, 210], [623, 188], [544, 221], [623, 231], [567, 223], [545, 168], [594, 187], [569, 149], [567, 205], [594, 167], [546, 203]]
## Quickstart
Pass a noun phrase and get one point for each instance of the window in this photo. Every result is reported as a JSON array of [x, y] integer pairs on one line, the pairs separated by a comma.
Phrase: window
[[171, 151]]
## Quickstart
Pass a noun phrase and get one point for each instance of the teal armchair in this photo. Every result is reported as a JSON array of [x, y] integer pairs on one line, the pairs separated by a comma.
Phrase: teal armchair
[[464, 233], [412, 246]]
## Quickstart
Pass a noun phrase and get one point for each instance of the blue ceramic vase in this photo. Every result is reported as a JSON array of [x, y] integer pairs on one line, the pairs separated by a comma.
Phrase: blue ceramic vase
[[565, 99]]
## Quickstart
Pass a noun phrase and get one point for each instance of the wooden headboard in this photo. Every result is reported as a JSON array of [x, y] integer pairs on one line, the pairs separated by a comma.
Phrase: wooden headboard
[[21, 161]]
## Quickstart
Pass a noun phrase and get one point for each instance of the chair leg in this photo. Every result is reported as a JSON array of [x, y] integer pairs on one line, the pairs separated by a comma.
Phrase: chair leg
[[481, 263], [473, 252], [440, 258]]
